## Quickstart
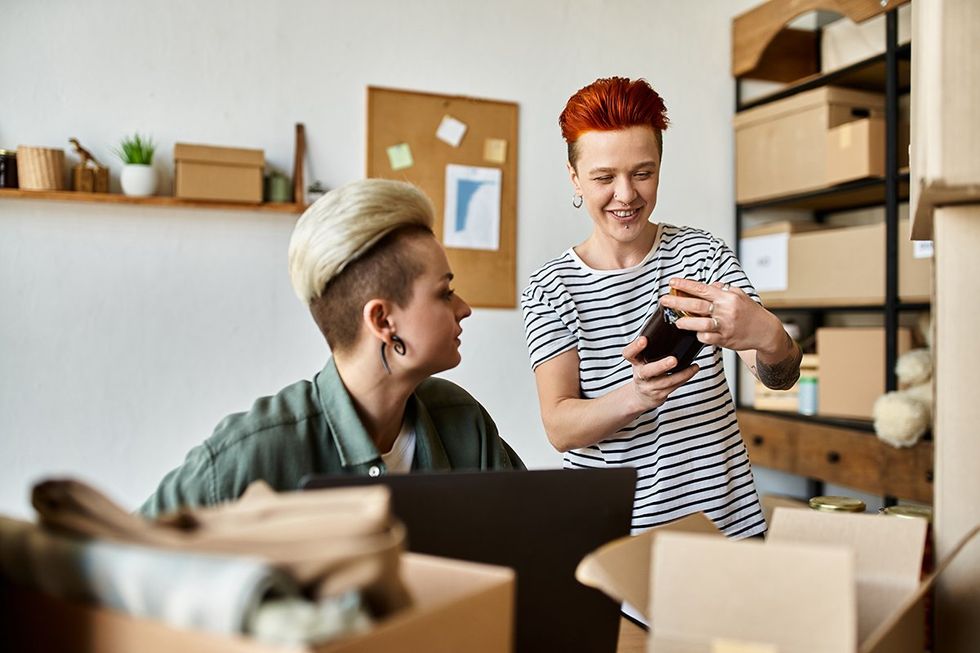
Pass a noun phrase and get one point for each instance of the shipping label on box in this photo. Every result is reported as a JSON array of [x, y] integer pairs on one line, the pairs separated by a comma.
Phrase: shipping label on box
[[765, 260]]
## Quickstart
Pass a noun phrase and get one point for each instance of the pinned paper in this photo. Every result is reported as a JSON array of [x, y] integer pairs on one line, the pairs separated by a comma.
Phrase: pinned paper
[[472, 217], [495, 150], [400, 156], [451, 131]]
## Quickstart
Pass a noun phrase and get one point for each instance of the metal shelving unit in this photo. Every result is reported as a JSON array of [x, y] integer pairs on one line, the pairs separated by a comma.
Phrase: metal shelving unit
[[888, 72]]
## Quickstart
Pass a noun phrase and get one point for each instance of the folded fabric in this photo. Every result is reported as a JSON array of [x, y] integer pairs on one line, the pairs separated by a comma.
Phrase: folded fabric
[[219, 594], [292, 622], [330, 541]]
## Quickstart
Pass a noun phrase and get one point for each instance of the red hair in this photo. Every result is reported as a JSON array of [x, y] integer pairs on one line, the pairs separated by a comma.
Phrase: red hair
[[609, 104]]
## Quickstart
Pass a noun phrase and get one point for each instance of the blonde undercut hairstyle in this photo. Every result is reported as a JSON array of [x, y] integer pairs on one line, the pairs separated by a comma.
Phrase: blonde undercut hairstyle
[[348, 248]]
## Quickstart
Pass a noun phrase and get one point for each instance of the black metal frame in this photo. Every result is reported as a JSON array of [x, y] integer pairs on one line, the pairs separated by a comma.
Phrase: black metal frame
[[892, 306]]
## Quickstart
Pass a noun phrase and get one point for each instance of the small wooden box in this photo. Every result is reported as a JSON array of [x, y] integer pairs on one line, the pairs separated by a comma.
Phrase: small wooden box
[[86, 179]]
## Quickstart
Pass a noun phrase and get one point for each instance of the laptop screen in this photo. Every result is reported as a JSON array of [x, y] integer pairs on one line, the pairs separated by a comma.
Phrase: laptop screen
[[541, 523]]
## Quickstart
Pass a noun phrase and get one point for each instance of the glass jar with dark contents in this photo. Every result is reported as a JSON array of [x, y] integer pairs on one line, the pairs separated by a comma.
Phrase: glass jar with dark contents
[[664, 338], [8, 169]]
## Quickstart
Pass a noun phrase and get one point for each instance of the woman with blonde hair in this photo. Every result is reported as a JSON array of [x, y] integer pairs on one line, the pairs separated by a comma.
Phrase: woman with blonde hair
[[379, 287]]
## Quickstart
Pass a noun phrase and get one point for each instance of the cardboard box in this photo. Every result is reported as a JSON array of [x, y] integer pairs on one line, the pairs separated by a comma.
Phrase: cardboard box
[[458, 606], [841, 266], [852, 369], [844, 42], [821, 582], [781, 148], [226, 174], [855, 150], [945, 129], [621, 568]]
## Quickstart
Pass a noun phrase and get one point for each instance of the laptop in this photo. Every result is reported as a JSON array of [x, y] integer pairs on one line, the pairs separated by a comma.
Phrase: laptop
[[540, 523]]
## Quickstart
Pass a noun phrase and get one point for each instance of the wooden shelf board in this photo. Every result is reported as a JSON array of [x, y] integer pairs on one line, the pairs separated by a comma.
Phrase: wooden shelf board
[[829, 304], [852, 195], [862, 425], [868, 75], [172, 202]]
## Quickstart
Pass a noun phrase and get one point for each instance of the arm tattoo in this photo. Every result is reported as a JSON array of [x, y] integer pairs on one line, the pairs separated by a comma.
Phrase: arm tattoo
[[783, 374]]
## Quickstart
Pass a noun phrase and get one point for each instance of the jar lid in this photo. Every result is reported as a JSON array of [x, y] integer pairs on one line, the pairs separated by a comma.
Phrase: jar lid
[[837, 504], [674, 314], [914, 512]]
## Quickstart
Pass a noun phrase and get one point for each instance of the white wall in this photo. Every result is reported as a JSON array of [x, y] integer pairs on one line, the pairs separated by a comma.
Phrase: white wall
[[127, 332]]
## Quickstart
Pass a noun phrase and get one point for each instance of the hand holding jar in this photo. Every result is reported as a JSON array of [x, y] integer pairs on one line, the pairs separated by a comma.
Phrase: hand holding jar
[[724, 316]]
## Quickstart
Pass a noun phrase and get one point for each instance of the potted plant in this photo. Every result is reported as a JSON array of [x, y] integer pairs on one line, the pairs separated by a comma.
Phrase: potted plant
[[138, 177]]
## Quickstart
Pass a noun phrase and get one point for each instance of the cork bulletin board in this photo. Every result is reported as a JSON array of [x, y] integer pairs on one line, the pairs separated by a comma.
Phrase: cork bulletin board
[[402, 143]]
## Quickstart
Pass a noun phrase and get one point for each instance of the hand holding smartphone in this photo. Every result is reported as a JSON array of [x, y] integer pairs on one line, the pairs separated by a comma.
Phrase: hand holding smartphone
[[664, 338]]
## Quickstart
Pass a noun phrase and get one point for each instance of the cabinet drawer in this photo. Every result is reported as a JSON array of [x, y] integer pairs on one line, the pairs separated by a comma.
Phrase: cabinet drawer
[[908, 473], [841, 457], [769, 441]]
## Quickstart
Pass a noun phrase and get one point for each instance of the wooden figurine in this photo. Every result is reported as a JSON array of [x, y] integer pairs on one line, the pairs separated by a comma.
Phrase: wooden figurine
[[88, 176]]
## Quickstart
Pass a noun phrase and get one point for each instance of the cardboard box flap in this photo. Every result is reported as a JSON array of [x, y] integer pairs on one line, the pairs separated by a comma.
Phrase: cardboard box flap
[[707, 589], [895, 632], [825, 95], [888, 555], [233, 156], [621, 568]]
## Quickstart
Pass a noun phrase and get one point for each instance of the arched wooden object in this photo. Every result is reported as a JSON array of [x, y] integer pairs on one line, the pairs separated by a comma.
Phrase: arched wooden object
[[758, 29]]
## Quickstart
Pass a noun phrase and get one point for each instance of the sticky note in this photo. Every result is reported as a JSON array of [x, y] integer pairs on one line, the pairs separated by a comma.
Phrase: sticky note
[[495, 150], [400, 156], [451, 131]]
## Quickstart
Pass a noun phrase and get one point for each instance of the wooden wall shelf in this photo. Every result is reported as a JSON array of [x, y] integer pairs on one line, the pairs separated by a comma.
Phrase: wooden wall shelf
[[851, 457], [172, 202]]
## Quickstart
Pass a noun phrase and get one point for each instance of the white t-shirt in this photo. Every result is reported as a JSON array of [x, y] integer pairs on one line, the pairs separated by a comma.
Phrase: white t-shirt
[[688, 452], [402, 454]]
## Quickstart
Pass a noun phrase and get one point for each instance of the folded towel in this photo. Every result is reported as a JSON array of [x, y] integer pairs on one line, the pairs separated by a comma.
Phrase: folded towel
[[330, 541], [219, 594]]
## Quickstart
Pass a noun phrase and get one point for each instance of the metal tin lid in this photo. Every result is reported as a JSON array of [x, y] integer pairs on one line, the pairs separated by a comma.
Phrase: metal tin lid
[[674, 314], [914, 512], [837, 504]]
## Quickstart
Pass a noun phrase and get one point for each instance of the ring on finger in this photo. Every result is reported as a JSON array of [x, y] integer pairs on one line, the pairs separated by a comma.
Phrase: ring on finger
[[716, 324], [711, 308]]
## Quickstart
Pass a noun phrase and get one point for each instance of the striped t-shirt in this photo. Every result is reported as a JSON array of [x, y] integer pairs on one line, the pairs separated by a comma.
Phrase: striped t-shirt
[[688, 452]]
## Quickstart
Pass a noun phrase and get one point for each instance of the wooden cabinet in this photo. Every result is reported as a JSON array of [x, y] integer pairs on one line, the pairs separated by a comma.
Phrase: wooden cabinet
[[838, 455]]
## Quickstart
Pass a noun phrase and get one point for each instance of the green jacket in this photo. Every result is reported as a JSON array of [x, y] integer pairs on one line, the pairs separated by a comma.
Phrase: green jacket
[[312, 428]]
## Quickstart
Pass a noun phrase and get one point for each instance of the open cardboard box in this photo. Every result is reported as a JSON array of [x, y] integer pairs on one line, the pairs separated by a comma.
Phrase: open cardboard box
[[821, 582], [458, 606]]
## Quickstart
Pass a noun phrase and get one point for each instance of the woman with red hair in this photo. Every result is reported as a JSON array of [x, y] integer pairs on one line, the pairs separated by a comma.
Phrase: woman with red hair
[[602, 403]]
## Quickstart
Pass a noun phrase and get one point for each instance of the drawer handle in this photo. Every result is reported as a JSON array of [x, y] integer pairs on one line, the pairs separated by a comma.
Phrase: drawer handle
[[929, 476], [757, 440], [833, 457]]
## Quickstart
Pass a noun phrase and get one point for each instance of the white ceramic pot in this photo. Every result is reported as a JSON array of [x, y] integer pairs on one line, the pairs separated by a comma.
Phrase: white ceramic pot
[[138, 179]]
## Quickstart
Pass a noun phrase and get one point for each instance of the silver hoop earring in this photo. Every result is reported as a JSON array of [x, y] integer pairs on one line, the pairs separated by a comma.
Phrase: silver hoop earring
[[577, 201]]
